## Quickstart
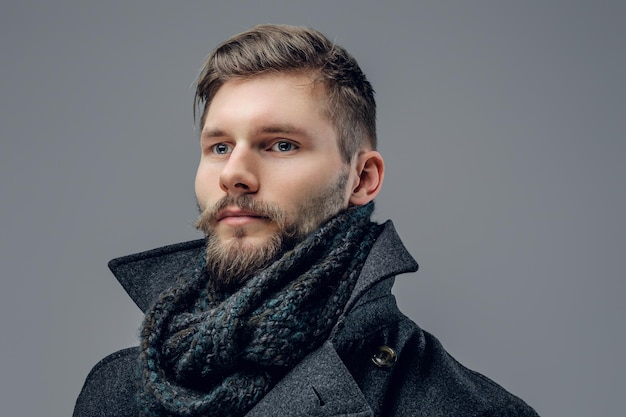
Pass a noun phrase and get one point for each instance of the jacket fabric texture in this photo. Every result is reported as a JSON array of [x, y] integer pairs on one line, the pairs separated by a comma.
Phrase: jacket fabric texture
[[388, 366]]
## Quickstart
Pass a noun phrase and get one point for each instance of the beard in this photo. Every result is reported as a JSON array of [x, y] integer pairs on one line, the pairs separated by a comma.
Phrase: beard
[[233, 262]]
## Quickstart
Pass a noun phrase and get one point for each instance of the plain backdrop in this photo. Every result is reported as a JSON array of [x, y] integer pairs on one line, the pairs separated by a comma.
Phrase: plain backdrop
[[502, 125]]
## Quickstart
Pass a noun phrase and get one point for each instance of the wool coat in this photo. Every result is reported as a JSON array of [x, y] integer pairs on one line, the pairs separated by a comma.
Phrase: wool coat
[[377, 362]]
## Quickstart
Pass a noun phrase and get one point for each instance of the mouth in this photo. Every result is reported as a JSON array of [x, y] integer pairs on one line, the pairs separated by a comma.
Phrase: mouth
[[236, 216]]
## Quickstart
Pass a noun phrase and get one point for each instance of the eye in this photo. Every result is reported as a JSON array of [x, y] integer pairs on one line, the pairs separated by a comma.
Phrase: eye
[[283, 146], [221, 149]]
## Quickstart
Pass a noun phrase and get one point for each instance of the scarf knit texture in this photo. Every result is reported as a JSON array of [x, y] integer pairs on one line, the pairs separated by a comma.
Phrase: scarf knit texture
[[209, 353]]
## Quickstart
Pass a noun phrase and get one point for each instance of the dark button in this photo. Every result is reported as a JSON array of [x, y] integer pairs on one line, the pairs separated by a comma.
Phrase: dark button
[[385, 357]]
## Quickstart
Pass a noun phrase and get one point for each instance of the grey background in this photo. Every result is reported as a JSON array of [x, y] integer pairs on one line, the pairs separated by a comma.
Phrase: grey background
[[502, 124]]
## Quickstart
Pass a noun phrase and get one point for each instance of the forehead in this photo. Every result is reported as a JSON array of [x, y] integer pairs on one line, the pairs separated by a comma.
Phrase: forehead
[[287, 98], [304, 82]]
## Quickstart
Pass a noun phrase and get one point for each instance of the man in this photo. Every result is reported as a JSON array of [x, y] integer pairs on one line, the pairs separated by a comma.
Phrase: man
[[285, 308]]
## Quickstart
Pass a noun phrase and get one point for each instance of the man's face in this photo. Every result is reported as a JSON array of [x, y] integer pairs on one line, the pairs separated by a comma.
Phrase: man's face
[[270, 171]]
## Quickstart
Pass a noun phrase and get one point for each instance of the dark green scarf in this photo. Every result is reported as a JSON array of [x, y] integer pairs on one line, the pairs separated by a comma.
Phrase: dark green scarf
[[209, 354]]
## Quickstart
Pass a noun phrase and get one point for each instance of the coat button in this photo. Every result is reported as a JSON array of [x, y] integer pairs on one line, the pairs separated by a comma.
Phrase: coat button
[[385, 357]]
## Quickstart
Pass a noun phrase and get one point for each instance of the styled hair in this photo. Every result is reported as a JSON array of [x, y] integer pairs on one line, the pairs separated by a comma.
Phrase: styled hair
[[274, 49]]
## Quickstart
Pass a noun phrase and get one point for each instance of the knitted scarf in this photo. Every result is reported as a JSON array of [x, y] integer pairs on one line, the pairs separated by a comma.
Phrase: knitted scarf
[[207, 353]]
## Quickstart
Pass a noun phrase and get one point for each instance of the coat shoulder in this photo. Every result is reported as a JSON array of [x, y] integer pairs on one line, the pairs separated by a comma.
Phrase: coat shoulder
[[463, 391], [110, 387], [422, 379]]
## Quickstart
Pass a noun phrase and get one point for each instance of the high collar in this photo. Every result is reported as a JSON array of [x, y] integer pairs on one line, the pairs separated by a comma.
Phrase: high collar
[[145, 275]]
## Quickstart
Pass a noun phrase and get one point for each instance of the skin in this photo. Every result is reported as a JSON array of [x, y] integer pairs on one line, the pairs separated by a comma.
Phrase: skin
[[266, 137]]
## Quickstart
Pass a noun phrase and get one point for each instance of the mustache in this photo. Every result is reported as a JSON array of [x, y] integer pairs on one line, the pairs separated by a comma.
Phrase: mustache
[[208, 218]]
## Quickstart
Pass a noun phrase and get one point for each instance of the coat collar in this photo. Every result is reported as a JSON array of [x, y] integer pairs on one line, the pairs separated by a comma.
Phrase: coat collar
[[145, 275]]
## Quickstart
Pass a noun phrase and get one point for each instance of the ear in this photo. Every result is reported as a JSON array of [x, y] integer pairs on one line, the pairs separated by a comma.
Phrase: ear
[[370, 170]]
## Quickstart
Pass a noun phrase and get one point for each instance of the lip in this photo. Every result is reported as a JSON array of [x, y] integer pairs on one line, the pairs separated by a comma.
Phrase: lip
[[234, 216]]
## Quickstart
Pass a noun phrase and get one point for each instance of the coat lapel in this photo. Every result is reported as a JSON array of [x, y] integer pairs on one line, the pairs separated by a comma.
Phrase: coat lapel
[[147, 274], [320, 386]]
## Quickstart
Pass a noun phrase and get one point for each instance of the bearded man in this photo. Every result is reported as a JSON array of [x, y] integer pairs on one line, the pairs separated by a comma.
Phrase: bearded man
[[285, 308]]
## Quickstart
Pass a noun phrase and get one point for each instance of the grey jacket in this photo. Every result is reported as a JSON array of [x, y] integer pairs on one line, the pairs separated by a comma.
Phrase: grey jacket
[[377, 362]]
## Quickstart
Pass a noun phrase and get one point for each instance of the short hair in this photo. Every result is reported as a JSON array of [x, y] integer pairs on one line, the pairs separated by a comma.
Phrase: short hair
[[275, 49]]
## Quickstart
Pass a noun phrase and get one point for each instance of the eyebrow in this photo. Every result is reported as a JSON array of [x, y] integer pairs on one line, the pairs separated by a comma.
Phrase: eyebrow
[[212, 133], [272, 129], [283, 128]]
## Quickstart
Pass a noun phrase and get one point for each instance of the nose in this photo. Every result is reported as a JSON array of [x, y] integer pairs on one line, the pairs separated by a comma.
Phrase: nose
[[239, 175]]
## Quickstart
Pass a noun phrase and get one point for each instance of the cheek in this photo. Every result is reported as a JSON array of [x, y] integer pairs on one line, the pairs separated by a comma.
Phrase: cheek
[[203, 185], [301, 187], [295, 184], [199, 195]]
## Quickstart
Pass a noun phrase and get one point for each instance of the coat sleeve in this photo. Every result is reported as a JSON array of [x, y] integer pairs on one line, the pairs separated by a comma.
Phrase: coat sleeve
[[110, 387]]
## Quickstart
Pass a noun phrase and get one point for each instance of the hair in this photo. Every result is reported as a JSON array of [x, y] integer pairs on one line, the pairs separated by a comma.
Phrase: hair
[[275, 49]]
